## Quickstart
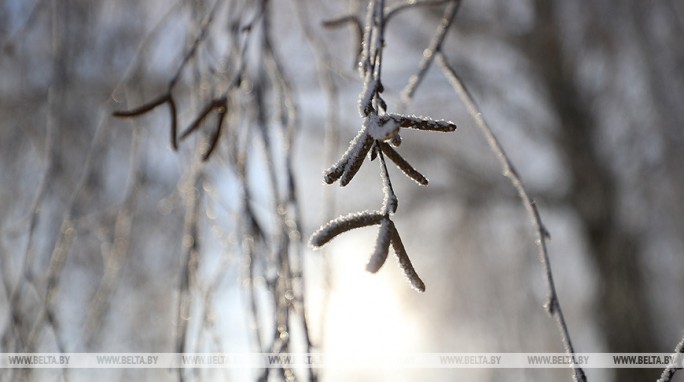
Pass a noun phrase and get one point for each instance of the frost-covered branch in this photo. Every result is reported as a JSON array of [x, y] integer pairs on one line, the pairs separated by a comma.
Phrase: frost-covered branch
[[379, 130], [552, 305], [678, 360], [429, 53]]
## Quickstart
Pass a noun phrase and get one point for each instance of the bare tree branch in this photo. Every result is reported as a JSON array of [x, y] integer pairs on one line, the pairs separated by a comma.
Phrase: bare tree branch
[[428, 55], [377, 127], [552, 305], [393, 11], [670, 371]]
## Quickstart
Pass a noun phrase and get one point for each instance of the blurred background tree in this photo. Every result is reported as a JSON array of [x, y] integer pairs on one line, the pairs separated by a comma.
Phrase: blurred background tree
[[112, 242]]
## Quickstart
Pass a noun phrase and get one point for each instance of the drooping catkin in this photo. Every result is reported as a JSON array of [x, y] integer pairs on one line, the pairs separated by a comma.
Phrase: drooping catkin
[[343, 224], [335, 172], [404, 261], [356, 158], [405, 167], [421, 123], [382, 243]]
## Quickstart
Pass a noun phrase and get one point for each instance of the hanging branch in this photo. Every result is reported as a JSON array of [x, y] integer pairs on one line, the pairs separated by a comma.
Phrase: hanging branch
[[391, 12], [434, 50], [378, 128], [167, 98], [281, 249], [324, 68], [220, 105], [677, 361], [552, 305], [358, 32], [429, 53]]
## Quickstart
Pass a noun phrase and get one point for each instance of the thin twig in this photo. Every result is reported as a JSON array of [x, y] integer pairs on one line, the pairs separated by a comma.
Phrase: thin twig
[[120, 247], [324, 66], [429, 53], [168, 96], [389, 202], [7, 45], [393, 11], [403, 164], [379, 126], [191, 247], [552, 305], [678, 358], [201, 36]]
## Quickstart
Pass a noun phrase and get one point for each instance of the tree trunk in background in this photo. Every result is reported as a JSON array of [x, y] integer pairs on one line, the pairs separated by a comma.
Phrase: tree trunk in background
[[622, 308]]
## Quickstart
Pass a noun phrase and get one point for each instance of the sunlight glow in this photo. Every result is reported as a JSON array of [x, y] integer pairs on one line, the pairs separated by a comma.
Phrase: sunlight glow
[[365, 312]]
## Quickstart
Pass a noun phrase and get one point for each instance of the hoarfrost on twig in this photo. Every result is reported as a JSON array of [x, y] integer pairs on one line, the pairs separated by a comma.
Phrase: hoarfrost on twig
[[379, 130]]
